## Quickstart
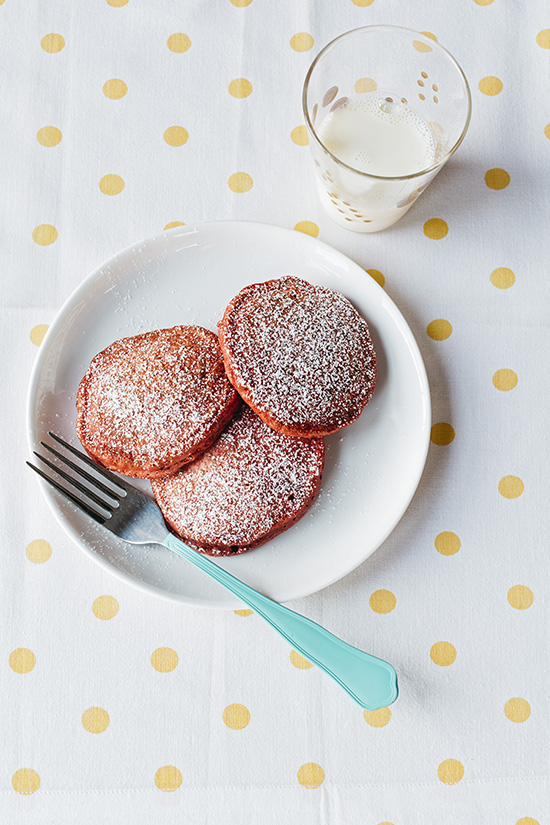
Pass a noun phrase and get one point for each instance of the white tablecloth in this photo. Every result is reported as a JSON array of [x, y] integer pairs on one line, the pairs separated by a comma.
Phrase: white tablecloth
[[80, 648]]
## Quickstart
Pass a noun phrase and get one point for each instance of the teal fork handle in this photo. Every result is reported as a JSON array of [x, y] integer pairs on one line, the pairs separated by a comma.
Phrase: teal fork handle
[[371, 682]]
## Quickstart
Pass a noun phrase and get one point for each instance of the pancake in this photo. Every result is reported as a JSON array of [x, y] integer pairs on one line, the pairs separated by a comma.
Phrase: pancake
[[299, 355], [151, 403], [252, 484]]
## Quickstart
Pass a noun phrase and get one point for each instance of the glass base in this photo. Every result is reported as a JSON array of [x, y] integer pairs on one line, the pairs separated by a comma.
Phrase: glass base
[[379, 219]]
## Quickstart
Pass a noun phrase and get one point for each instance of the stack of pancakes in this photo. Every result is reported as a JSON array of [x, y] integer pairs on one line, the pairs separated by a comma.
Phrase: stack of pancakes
[[230, 429]]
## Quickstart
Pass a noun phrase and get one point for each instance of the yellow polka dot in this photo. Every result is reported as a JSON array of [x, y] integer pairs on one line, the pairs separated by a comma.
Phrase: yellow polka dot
[[430, 34], [49, 136], [450, 771], [52, 43], [176, 136], [377, 718], [311, 775], [39, 550], [95, 720], [543, 39], [22, 660], [385, 823], [502, 277], [37, 334], [421, 47], [505, 380], [382, 601], [299, 136], [240, 87], [483, 2], [240, 182], [520, 597], [236, 716], [168, 778], [447, 543], [172, 225], [497, 178], [510, 487], [517, 710], [490, 85], [299, 661], [301, 42], [241, 4], [527, 820], [115, 88], [442, 434], [365, 84], [377, 275], [25, 781], [308, 228], [443, 654], [44, 234], [362, 3], [435, 228], [439, 330], [105, 607], [117, 4], [243, 612], [547, 131], [164, 659], [111, 184], [178, 42]]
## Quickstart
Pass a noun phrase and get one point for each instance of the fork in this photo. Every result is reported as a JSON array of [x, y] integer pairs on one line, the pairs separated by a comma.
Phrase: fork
[[131, 515]]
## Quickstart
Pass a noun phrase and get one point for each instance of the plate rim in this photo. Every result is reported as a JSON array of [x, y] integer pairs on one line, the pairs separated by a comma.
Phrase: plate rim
[[74, 296]]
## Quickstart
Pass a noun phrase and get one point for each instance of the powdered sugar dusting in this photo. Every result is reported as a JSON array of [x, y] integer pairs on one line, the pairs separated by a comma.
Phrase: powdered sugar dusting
[[250, 485], [299, 353], [149, 403]]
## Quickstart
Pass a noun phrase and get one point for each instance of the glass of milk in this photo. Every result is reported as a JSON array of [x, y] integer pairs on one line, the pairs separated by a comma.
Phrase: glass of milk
[[385, 108]]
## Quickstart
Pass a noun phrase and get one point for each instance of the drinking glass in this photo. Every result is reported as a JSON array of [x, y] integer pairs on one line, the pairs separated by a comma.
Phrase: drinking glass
[[399, 67]]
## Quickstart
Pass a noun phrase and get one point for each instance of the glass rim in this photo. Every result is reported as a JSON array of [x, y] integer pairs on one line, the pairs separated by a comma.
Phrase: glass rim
[[429, 42]]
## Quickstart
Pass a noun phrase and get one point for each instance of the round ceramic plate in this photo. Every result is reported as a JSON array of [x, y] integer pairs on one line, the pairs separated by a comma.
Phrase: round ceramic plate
[[187, 276]]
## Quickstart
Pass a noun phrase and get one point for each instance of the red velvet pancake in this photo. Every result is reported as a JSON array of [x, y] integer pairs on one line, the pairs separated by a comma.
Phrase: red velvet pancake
[[252, 484], [301, 356], [152, 403]]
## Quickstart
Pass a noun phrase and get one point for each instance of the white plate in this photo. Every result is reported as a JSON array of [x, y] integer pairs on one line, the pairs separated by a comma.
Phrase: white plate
[[187, 276]]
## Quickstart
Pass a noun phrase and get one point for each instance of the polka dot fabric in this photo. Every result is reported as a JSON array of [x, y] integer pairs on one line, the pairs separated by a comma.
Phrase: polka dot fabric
[[120, 707]]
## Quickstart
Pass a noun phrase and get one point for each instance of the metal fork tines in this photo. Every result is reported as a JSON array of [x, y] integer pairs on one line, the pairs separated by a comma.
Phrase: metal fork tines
[[105, 498], [120, 507]]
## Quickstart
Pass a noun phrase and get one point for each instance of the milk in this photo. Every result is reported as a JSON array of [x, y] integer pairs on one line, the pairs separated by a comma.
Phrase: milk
[[380, 136]]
